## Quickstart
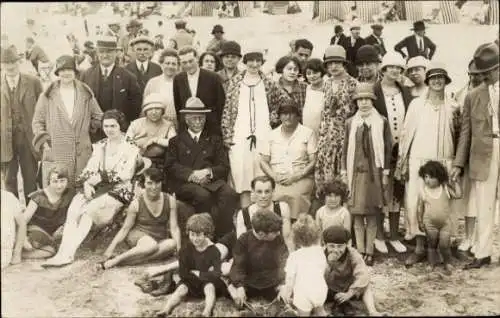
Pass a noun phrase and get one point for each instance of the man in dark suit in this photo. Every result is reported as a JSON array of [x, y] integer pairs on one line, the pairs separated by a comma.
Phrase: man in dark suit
[[417, 44], [376, 40], [478, 148], [197, 168], [205, 85], [353, 43], [339, 38], [142, 67], [34, 53], [113, 86], [19, 94]]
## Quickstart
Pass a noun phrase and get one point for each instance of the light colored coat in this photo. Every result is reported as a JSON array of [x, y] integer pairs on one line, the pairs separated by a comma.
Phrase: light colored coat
[[475, 146], [69, 138], [30, 88]]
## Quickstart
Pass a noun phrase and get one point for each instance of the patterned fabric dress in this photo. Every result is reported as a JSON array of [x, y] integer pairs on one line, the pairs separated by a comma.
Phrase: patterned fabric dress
[[338, 107]]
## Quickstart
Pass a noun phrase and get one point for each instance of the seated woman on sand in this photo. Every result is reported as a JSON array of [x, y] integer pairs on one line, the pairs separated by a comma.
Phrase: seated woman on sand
[[46, 213], [151, 227]]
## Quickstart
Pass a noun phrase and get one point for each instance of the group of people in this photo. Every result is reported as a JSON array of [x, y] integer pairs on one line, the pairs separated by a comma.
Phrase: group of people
[[261, 187]]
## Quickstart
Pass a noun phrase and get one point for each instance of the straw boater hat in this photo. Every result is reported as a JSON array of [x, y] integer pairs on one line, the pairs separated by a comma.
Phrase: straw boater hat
[[355, 25], [435, 69], [153, 100], [364, 90], [392, 59], [142, 39], [194, 105], [334, 53], [107, 42], [417, 61], [486, 58]]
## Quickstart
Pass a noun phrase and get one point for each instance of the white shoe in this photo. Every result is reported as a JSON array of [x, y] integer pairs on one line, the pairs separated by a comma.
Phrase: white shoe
[[398, 246], [464, 246], [381, 246]]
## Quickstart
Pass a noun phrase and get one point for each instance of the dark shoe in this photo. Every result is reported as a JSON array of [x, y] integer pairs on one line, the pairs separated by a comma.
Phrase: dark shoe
[[478, 263], [146, 284], [166, 286], [413, 259], [369, 260]]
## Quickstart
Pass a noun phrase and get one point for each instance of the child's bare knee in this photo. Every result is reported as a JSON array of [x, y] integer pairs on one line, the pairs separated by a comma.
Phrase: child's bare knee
[[182, 290], [209, 288]]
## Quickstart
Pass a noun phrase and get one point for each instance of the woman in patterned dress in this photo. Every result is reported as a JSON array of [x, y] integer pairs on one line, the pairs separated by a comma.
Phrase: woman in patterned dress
[[107, 187], [246, 121], [339, 90]]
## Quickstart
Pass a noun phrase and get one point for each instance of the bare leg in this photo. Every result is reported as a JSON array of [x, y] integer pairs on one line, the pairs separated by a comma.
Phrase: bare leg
[[359, 231], [39, 253], [369, 301], [146, 246], [320, 311], [161, 269], [165, 248], [209, 291], [175, 299], [245, 199], [302, 313], [371, 232]]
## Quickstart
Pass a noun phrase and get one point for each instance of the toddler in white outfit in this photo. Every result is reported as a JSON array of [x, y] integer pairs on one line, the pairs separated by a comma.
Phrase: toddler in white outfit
[[305, 269]]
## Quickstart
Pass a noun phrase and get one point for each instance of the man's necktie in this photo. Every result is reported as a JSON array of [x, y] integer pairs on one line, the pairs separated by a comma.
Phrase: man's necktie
[[420, 44], [143, 70], [105, 73], [195, 139]]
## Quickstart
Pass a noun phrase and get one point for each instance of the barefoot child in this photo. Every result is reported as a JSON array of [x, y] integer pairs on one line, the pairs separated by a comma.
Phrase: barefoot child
[[365, 166], [434, 210], [347, 276], [305, 269], [13, 227], [199, 266], [46, 213], [334, 212]]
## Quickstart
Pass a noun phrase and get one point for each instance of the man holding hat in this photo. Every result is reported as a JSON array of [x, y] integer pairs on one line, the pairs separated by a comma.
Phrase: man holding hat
[[353, 43], [215, 44], [230, 56], [182, 37], [376, 40], [142, 67], [19, 96], [479, 146], [417, 44], [197, 168], [415, 70], [113, 86], [367, 62]]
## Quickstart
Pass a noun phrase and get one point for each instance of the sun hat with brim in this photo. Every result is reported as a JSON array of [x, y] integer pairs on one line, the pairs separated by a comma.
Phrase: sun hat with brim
[[230, 47], [65, 62], [106, 42], [10, 55], [437, 69], [142, 39], [418, 26], [417, 61], [392, 59], [472, 69], [252, 53], [153, 100], [355, 25], [194, 105], [364, 90], [485, 58], [217, 28], [334, 53]]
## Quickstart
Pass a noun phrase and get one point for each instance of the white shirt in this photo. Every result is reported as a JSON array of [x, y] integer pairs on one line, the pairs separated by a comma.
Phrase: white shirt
[[145, 65], [193, 82], [420, 42], [13, 82], [307, 265], [192, 134], [68, 98], [108, 69]]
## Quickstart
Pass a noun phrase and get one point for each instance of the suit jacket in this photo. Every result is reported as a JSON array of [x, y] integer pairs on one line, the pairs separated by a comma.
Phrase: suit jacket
[[127, 96], [210, 91], [30, 89], [372, 40], [184, 156], [36, 55], [351, 54], [475, 145], [342, 41], [410, 43], [152, 71]]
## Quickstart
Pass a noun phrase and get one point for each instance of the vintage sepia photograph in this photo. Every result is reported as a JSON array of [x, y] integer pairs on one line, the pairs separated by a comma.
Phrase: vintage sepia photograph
[[250, 158]]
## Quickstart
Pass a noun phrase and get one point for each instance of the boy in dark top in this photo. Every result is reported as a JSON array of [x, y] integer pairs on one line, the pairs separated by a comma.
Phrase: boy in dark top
[[199, 266], [259, 260]]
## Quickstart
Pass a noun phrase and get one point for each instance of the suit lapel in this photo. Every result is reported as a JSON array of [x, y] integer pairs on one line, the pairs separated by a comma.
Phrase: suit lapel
[[193, 146], [116, 88], [22, 86], [201, 83], [184, 78], [95, 79]]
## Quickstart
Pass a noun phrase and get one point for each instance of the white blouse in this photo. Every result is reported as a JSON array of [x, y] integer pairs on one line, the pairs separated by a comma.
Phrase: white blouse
[[68, 98]]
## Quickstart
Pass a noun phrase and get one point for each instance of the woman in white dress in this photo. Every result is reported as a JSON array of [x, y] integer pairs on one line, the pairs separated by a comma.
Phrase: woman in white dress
[[246, 121], [430, 132], [315, 95]]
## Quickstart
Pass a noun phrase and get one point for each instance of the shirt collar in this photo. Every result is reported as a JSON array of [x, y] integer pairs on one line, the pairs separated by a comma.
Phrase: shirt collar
[[192, 134], [195, 74], [109, 68], [14, 80], [141, 63]]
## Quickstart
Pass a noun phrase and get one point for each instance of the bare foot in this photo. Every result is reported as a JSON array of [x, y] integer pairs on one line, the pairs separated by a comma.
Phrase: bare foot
[[207, 313]]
